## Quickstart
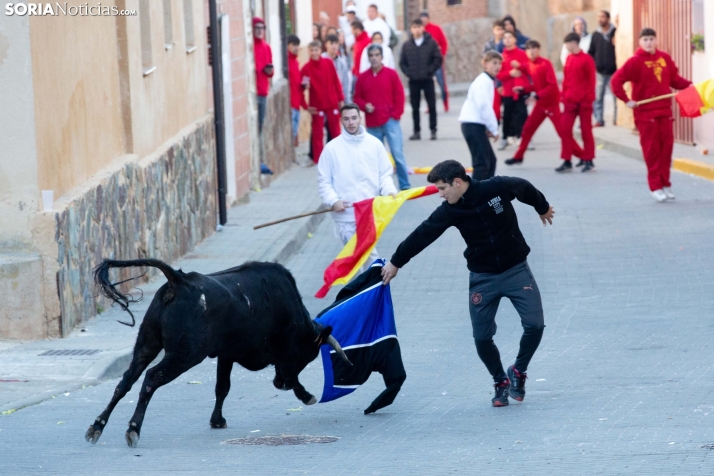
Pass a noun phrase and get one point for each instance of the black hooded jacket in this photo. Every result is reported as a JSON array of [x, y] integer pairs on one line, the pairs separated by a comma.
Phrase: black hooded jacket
[[419, 63], [486, 220]]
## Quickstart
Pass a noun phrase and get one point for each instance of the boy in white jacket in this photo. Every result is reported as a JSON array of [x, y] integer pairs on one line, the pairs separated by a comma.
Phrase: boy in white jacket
[[354, 166], [478, 118]]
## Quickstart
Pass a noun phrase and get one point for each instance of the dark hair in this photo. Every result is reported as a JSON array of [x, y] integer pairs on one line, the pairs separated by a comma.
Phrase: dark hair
[[378, 33], [532, 44], [509, 18], [498, 23], [332, 39], [327, 30], [375, 47], [607, 14], [357, 24], [572, 37], [446, 172], [648, 32], [349, 106], [424, 13], [417, 22], [372, 5], [293, 40], [509, 32]]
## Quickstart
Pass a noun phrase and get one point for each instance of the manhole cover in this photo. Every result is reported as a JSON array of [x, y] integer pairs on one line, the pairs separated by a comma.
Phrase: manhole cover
[[708, 447], [69, 352], [282, 440]]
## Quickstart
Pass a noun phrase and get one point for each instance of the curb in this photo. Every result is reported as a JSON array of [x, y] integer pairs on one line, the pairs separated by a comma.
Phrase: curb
[[694, 167]]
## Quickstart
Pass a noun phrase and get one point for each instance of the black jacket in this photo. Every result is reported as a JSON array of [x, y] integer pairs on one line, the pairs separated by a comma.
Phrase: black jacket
[[603, 52], [486, 220], [419, 63]]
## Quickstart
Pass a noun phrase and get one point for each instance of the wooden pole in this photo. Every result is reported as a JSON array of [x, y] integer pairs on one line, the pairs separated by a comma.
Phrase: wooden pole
[[664, 96], [303, 215]]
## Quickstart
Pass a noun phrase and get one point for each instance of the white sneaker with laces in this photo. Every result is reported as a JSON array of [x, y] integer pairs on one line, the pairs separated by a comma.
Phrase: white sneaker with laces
[[514, 141], [659, 195], [668, 192], [502, 144]]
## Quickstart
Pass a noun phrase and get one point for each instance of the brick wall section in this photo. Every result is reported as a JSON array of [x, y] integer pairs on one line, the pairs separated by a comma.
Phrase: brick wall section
[[441, 13]]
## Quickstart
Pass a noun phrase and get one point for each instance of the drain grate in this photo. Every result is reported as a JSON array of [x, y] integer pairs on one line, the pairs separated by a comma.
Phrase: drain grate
[[282, 440], [55, 353]]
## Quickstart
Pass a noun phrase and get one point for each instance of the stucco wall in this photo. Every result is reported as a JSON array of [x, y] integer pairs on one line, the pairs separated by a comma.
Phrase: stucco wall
[[277, 140], [467, 39]]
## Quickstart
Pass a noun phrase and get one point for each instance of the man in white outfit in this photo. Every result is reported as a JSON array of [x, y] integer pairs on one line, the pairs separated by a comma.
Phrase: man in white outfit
[[374, 23], [353, 167]]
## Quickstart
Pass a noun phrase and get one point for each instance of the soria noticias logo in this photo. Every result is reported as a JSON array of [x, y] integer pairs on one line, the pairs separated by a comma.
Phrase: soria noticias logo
[[64, 9]]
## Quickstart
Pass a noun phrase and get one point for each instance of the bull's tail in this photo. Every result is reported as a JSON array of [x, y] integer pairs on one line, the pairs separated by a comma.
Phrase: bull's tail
[[108, 289]]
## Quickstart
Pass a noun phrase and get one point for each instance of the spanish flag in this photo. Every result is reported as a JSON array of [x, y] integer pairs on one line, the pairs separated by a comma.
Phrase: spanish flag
[[697, 99], [372, 217]]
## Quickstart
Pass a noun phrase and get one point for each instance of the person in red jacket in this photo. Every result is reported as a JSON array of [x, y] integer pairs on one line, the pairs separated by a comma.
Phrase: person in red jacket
[[296, 91], [326, 97], [578, 98], [546, 97], [380, 94], [263, 68], [438, 34], [652, 73], [362, 41], [514, 83]]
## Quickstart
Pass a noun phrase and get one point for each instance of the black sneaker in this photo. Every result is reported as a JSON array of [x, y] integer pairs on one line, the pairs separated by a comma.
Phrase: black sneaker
[[501, 397], [415, 136], [566, 166], [513, 161], [580, 163], [517, 388], [588, 166], [433, 135]]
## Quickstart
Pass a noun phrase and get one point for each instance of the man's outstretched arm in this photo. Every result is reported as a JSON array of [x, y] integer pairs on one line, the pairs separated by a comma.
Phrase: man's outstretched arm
[[525, 192]]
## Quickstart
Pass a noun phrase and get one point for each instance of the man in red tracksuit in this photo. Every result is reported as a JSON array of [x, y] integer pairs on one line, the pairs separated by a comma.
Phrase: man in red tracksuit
[[263, 56], [578, 97], [362, 41], [296, 92], [438, 34], [326, 97], [652, 73], [546, 97], [514, 83]]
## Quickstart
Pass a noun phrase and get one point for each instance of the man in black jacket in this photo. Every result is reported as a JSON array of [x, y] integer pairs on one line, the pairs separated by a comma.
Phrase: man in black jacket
[[496, 257], [420, 59], [602, 49]]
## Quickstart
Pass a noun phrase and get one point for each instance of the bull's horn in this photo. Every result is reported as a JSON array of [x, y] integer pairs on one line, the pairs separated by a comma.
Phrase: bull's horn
[[332, 342]]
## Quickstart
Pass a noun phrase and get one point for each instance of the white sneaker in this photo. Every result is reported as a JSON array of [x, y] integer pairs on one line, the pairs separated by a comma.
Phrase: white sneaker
[[502, 144], [659, 195], [514, 141], [668, 192], [530, 146]]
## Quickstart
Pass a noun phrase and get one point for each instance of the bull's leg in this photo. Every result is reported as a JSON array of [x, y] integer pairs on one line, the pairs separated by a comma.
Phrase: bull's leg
[[164, 372], [279, 381], [223, 386], [145, 351], [292, 382]]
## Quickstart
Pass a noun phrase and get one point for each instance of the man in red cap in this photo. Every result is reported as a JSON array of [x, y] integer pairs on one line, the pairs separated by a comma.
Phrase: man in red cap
[[438, 34], [263, 68], [652, 73]]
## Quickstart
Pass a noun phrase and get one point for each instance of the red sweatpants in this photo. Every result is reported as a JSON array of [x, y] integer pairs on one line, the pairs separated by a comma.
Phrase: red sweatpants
[[535, 119], [584, 111], [318, 130], [657, 141]]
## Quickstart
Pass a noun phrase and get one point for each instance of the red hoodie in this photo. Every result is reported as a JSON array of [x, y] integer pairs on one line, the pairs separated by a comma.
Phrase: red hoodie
[[504, 76], [438, 34], [325, 88], [579, 78], [297, 98], [386, 93], [545, 84], [361, 42], [650, 75], [263, 56]]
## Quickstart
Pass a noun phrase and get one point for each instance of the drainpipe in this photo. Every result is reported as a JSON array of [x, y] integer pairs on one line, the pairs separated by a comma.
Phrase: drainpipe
[[218, 112]]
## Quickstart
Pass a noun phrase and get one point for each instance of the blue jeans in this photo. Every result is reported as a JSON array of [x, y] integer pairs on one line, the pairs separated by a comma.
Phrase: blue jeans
[[262, 105], [440, 81], [393, 131], [603, 83], [295, 118]]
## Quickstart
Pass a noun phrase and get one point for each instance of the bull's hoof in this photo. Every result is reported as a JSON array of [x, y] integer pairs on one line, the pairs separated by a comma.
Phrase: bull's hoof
[[221, 423], [132, 438], [279, 383], [311, 401], [92, 435]]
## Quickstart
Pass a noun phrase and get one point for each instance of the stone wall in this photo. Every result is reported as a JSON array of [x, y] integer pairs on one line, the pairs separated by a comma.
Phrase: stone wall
[[158, 207], [277, 140], [466, 41]]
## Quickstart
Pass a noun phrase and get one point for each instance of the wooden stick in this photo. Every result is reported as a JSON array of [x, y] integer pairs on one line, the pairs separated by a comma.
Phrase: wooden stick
[[664, 96], [303, 215]]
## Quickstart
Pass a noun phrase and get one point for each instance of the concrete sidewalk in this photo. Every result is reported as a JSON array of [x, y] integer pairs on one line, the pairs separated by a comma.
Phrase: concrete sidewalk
[[34, 371]]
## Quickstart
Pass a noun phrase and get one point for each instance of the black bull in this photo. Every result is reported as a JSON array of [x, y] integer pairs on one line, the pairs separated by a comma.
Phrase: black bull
[[252, 315]]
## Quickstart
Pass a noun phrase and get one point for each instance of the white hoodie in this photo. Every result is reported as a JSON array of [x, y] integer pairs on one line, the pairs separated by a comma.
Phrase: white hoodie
[[478, 107], [353, 168]]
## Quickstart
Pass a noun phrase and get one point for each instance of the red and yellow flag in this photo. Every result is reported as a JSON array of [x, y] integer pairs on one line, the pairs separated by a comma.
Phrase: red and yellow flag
[[372, 217], [697, 99]]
